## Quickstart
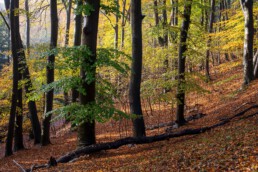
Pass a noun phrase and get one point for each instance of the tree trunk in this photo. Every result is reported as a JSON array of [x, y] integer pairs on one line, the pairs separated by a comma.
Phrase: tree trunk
[[116, 26], [77, 41], [180, 95], [136, 69], [247, 7], [18, 137], [45, 135], [28, 89], [86, 131], [68, 22], [27, 26], [68, 8], [14, 19], [123, 25], [210, 30], [256, 64]]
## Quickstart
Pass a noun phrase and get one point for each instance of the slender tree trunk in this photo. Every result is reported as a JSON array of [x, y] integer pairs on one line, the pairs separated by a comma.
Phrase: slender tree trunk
[[174, 22], [14, 19], [210, 30], [165, 38], [86, 131], [45, 135], [180, 95], [68, 8], [28, 87], [116, 26], [247, 7], [18, 137], [27, 26], [136, 69], [256, 64], [123, 25], [77, 41], [68, 22]]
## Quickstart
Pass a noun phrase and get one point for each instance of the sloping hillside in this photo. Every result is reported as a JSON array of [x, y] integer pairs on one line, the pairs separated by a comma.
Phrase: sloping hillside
[[231, 147]]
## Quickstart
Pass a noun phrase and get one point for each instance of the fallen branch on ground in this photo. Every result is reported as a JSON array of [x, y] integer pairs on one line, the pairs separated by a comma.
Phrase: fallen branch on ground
[[143, 140], [21, 168]]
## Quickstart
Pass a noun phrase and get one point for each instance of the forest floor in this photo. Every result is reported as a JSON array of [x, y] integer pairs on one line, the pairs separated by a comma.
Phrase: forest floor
[[231, 147]]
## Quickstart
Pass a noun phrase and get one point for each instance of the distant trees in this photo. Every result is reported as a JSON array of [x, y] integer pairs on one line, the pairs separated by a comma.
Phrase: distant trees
[[136, 69]]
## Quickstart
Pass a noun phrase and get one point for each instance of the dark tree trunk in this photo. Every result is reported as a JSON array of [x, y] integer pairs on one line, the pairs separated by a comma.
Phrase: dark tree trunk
[[247, 7], [86, 131], [123, 25], [28, 85], [210, 30], [174, 35], [77, 41], [18, 137], [180, 120], [14, 19], [27, 26], [136, 69], [68, 8], [45, 135], [116, 26], [165, 41], [28, 89]]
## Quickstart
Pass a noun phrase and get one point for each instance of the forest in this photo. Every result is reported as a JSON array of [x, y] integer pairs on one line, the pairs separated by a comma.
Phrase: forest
[[128, 85]]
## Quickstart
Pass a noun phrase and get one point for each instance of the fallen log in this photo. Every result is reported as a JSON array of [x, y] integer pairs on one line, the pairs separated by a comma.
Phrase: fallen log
[[142, 140]]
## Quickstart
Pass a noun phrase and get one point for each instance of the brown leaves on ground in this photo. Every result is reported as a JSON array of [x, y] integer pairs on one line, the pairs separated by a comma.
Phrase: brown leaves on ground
[[232, 147]]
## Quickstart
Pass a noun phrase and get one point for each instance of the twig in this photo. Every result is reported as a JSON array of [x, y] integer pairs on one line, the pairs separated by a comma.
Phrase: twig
[[5, 21], [246, 103], [22, 169]]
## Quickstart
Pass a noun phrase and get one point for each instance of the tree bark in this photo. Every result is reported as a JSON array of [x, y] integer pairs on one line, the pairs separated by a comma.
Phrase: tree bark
[[123, 25], [86, 131], [28, 87], [247, 7], [68, 9], [116, 26], [14, 19], [45, 135], [27, 26], [136, 69], [180, 95], [210, 30], [77, 41]]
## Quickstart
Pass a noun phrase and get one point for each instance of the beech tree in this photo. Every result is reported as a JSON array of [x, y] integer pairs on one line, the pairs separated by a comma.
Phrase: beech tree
[[86, 130], [77, 38], [45, 135], [247, 7], [180, 95], [16, 92], [68, 9], [136, 69], [210, 30]]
